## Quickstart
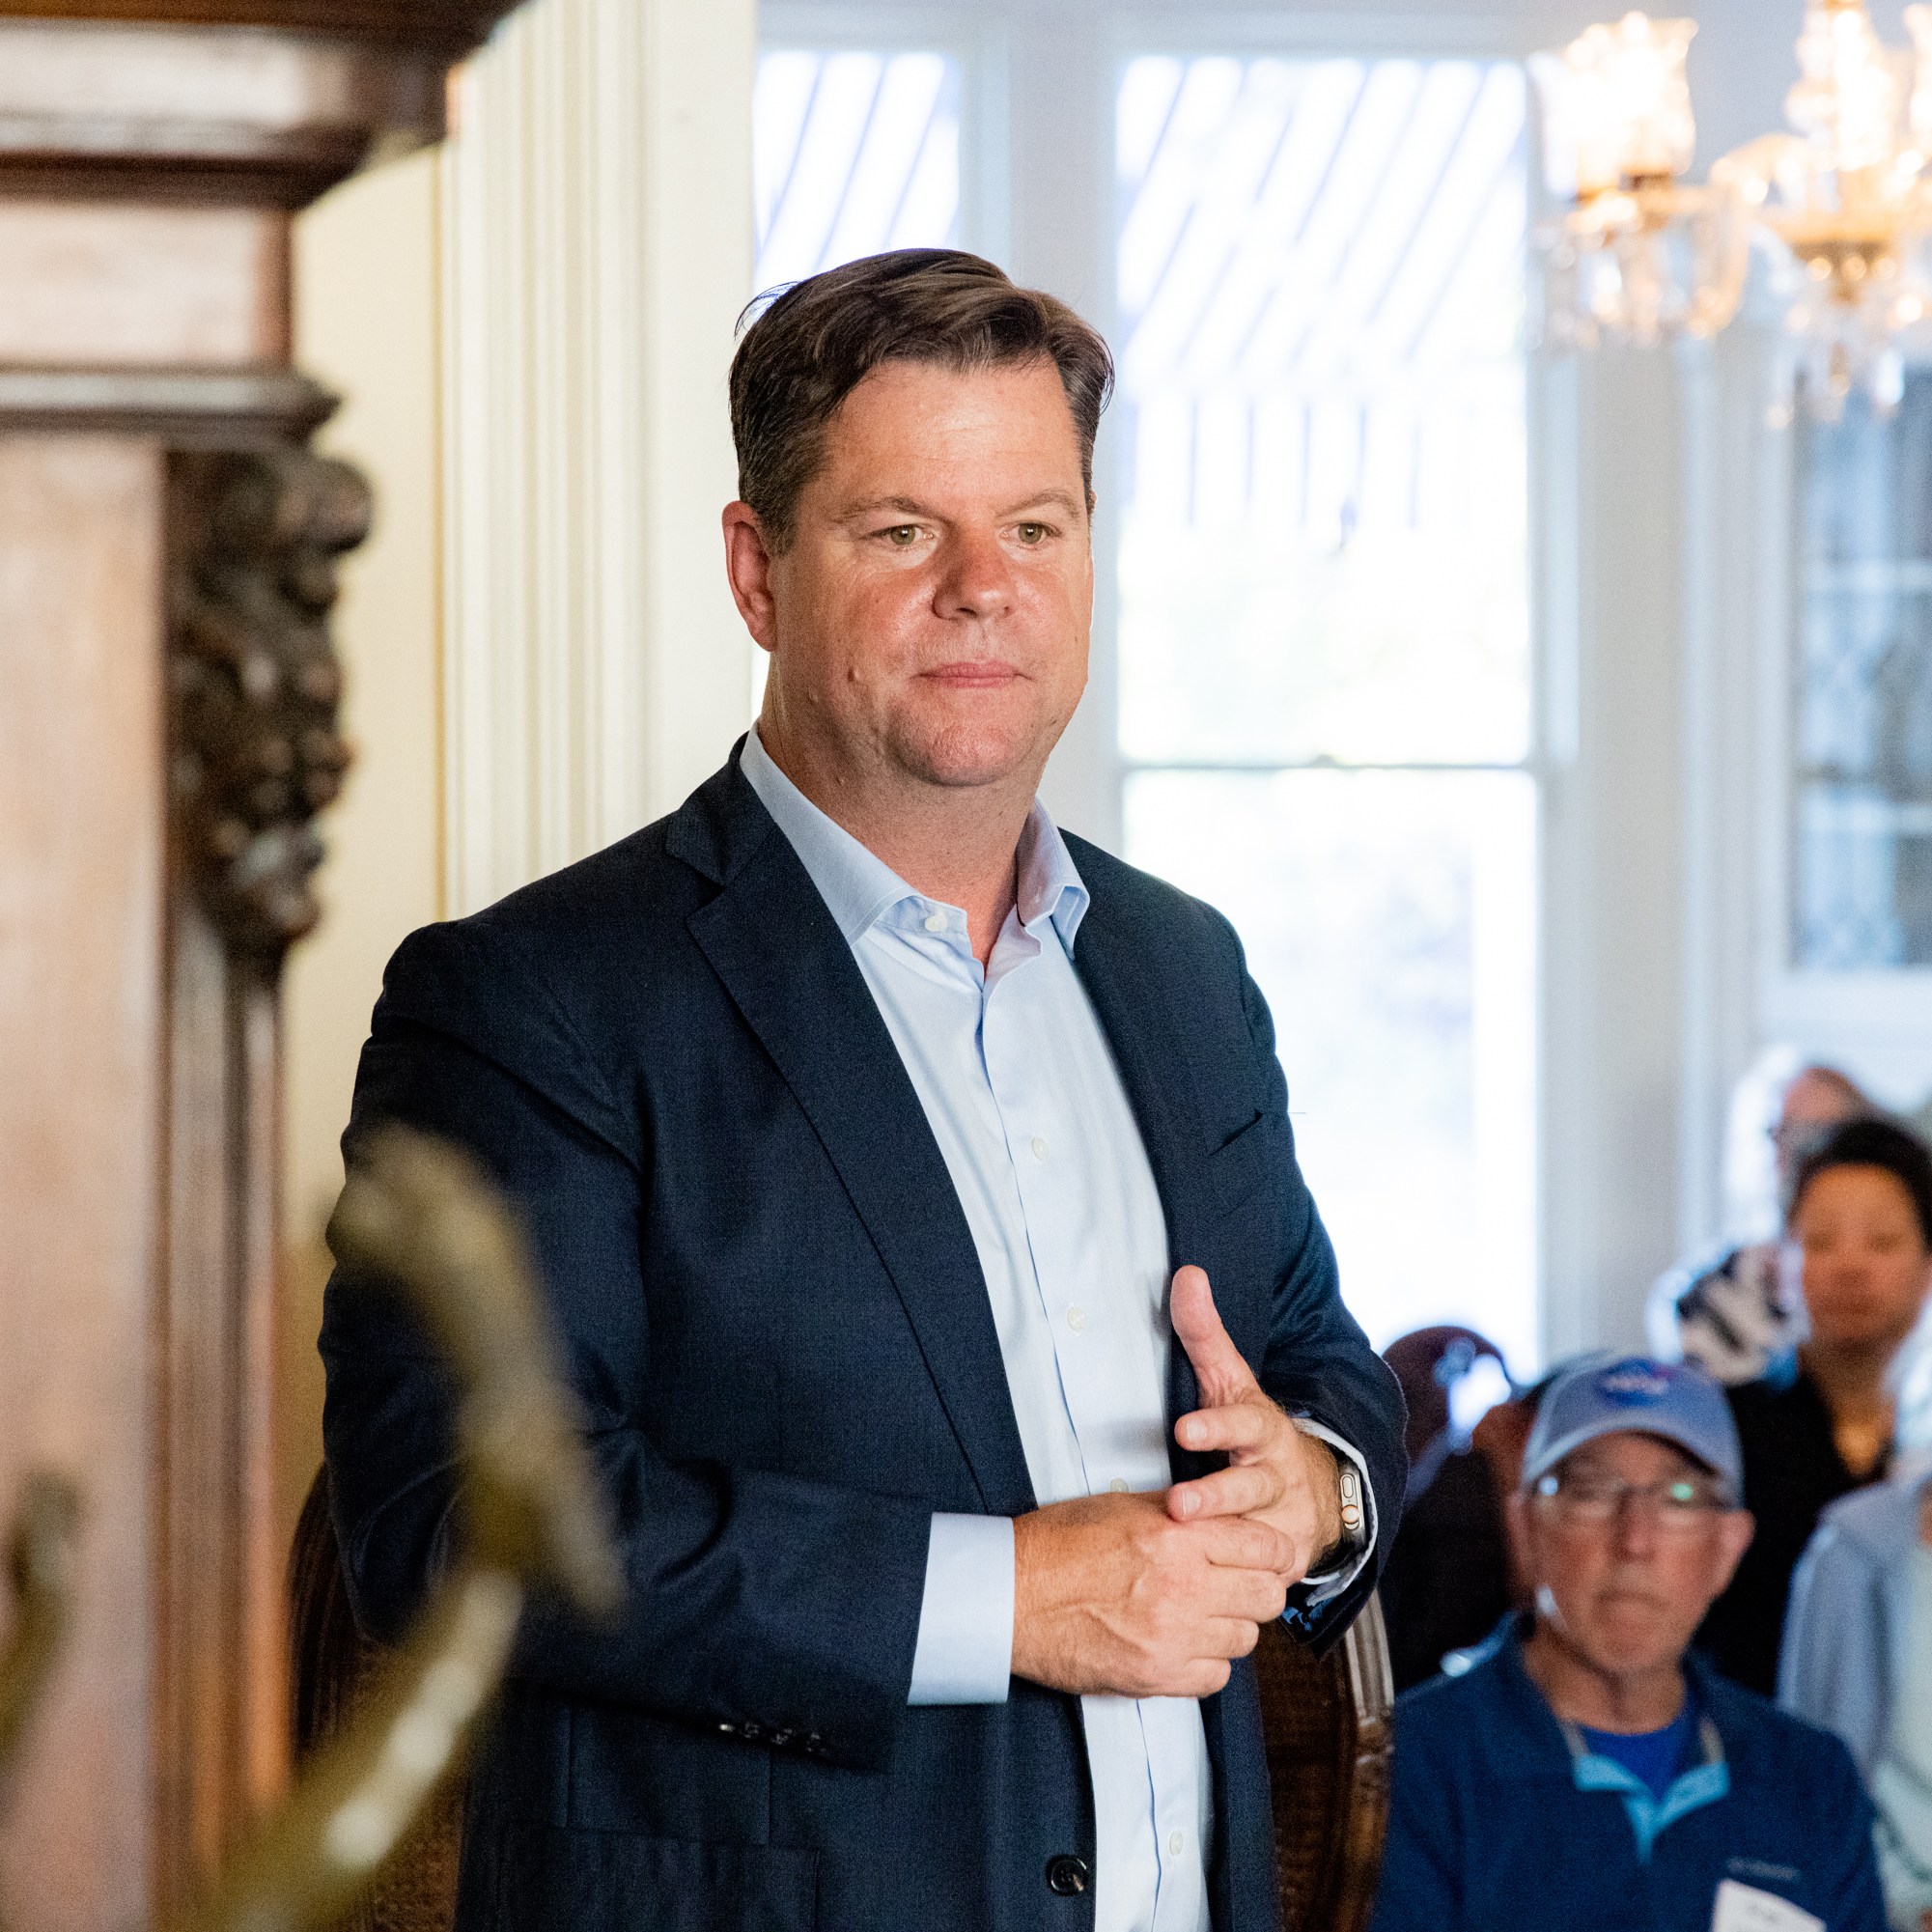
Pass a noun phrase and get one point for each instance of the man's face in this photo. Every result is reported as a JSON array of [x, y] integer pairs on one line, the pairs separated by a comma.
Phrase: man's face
[[1626, 1586], [929, 619]]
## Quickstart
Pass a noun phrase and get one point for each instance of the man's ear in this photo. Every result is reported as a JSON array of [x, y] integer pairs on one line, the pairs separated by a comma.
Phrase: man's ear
[[1736, 1527], [1521, 1563], [747, 567]]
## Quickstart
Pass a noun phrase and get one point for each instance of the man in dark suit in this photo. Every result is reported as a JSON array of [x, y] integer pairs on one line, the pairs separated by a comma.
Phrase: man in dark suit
[[878, 1145]]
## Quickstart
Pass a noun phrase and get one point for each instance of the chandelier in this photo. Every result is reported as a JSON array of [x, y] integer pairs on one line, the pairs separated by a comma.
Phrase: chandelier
[[1843, 204]]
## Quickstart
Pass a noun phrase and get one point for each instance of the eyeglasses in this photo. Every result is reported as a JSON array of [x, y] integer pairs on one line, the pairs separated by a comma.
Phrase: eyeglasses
[[1679, 1503]]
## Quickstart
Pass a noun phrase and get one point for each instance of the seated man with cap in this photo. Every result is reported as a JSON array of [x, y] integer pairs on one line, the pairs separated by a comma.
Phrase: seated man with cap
[[1584, 1771]]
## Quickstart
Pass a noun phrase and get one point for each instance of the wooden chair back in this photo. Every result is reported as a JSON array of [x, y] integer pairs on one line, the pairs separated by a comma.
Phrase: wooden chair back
[[1327, 1723], [333, 1667]]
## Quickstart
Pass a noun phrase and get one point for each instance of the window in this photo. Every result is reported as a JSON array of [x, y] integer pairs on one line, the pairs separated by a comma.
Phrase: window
[[1861, 794], [852, 153], [1323, 658], [1323, 650]]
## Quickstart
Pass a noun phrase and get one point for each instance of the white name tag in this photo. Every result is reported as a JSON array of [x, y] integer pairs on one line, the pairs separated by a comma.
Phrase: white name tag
[[1743, 1908]]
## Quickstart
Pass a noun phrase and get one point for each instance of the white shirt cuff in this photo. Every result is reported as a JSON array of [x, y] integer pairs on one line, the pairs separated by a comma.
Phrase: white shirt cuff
[[964, 1652], [1331, 1584]]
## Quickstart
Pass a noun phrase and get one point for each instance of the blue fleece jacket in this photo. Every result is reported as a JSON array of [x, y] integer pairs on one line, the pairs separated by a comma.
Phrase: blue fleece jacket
[[1498, 1824]]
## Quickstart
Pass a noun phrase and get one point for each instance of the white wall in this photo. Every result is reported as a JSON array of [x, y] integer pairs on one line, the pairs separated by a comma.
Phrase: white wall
[[366, 325], [532, 329], [598, 254]]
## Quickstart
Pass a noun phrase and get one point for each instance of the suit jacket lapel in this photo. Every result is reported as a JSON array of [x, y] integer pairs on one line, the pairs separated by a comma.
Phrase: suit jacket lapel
[[791, 973], [1149, 1050]]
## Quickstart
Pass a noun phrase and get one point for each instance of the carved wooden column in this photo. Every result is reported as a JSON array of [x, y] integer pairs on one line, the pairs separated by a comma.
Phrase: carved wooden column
[[167, 705]]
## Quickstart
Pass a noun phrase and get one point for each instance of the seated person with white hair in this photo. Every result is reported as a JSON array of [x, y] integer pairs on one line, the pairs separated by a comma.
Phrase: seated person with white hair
[[1586, 1772], [1736, 1311]]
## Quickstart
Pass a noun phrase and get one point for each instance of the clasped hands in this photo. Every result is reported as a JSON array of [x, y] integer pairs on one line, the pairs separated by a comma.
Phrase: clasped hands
[[1151, 1596]]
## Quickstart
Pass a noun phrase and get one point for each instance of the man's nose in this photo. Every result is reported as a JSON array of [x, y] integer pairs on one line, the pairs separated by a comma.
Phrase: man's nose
[[977, 578], [1636, 1530]]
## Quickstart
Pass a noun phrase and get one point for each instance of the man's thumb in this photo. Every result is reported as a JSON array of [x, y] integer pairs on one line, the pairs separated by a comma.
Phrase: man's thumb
[[1222, 1372]]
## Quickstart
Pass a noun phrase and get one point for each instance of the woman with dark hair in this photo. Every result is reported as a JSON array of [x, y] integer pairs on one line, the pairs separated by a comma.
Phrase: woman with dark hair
[[1819, 1423]]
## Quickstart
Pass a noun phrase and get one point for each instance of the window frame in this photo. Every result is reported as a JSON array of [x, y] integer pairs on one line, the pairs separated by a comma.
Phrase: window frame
[[973, 37], [1870, 1016], [1002, 46]]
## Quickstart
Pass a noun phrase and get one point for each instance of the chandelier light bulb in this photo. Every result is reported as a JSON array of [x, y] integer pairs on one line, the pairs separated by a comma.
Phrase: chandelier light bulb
[[1843, 202], [1639, 257], [1851, 89], [1617, 106]]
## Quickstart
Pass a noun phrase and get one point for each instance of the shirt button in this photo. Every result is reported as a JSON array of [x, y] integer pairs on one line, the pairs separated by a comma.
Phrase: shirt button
[[1118, 1486], [1039, 1148], [936, 922], [1077, 1319], [1174, 1843]]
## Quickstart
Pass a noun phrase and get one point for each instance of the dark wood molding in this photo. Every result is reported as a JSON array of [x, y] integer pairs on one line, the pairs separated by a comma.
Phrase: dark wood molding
[[288, 173], [255, 685], [184, 408], [448, 27], [218, 1699], [205, 112]]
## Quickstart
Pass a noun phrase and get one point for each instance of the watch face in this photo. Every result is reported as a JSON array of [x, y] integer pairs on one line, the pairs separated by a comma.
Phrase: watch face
[[1350, 1485]]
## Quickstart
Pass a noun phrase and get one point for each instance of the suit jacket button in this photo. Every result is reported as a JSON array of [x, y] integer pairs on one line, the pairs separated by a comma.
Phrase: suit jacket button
[[1067, 1876]]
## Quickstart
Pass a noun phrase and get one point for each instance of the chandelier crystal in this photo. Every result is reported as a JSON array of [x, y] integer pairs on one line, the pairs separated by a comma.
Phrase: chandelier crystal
[[1843, 204], [1638, 256]]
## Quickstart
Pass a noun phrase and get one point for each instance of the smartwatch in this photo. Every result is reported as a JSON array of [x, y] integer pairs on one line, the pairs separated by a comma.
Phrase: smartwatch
[[1355, 1519]]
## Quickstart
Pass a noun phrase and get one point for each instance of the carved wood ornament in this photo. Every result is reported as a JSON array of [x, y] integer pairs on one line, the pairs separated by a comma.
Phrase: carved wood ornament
[[256, 683]]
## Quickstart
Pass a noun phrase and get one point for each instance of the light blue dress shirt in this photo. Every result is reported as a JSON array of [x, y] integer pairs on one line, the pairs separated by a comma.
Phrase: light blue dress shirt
[[1021, 1090]]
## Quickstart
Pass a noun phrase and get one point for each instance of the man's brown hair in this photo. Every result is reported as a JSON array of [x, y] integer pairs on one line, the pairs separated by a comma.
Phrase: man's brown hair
[[822, 336]]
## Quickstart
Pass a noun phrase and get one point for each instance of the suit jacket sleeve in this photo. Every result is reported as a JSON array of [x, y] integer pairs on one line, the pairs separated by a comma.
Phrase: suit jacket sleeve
[[754, 1599]]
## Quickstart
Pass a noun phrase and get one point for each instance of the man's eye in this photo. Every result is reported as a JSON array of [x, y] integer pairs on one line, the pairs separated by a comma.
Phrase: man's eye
[[903, 535], [1032, 534]]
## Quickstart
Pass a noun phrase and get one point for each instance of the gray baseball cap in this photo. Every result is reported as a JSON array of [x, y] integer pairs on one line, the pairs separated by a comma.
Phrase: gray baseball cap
[[1605, 1395]]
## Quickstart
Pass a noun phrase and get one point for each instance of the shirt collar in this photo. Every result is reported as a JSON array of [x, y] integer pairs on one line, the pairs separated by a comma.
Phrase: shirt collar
[[859, 888], [1537, 1745]]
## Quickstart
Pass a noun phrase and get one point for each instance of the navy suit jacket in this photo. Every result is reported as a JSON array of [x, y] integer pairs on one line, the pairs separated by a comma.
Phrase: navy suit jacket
[[775, 1318]]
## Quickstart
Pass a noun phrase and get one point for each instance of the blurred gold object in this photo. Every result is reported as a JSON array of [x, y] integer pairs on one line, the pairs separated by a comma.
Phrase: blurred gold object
[[418, 1214], [40, 1564]]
